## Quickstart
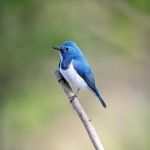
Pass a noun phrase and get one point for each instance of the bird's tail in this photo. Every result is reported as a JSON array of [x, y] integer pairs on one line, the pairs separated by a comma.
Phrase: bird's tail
[[100, 98]]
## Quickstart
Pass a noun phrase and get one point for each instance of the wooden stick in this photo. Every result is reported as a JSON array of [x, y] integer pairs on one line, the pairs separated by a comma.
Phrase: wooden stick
[[80, 111]]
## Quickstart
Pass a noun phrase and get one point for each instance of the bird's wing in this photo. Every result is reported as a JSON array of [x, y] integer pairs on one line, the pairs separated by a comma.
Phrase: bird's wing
[[83, 69]]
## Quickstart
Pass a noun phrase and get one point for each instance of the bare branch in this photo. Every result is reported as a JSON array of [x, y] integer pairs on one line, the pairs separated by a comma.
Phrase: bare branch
[[80, 111]]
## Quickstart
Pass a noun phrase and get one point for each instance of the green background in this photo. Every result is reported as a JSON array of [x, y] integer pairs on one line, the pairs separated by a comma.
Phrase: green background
[[115, 37]]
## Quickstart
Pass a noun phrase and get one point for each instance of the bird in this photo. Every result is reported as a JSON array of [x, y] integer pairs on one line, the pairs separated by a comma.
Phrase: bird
[[75, 69]]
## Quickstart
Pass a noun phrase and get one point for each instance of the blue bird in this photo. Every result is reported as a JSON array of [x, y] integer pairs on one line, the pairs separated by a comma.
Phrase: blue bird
[[75, 69]]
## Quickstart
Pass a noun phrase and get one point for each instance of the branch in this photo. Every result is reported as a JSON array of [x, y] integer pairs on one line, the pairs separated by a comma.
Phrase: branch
[[80, 111]]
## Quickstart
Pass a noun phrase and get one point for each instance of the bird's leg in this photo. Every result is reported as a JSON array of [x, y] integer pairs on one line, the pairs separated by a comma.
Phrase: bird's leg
[[73, 97], [77, 92]]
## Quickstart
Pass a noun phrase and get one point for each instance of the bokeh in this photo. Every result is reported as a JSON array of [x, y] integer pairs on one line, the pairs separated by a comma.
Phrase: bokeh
[[115, 37]]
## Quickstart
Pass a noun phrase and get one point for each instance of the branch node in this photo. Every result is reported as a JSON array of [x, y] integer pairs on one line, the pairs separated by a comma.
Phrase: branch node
[[60, 80]]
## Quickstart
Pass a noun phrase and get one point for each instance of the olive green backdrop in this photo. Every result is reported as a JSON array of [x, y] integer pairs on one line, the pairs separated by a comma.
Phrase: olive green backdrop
[[115, 37]]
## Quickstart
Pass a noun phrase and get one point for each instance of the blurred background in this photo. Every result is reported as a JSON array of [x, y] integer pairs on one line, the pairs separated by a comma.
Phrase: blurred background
[[114, 35]]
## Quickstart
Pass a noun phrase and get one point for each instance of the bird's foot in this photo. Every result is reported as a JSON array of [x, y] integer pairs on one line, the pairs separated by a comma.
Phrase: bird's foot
[[72, 98]]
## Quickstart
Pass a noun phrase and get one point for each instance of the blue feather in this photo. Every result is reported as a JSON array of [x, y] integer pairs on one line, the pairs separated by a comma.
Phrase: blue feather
[[83, 69], [65, 63]]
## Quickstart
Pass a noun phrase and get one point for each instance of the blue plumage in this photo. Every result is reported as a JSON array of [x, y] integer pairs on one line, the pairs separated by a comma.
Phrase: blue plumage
[[75, 68], [88, 76]]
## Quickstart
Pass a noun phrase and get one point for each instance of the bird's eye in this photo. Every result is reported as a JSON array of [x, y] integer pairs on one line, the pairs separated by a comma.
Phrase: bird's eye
[[66, 48]]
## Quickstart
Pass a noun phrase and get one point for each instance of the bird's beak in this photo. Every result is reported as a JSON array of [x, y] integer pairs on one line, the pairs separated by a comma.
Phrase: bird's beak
[[56, 48]]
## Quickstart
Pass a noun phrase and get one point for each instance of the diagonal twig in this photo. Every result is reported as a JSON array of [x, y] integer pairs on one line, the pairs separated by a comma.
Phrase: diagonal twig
[[80, 111]]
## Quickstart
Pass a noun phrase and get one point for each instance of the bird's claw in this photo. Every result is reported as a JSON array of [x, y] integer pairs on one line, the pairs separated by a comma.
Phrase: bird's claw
[[72, 98]]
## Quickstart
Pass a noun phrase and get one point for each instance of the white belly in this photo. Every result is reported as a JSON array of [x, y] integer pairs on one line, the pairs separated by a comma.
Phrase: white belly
[[72, 77]]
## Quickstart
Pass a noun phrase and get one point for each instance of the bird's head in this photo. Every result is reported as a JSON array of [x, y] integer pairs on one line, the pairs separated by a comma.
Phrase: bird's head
[[69, 49]]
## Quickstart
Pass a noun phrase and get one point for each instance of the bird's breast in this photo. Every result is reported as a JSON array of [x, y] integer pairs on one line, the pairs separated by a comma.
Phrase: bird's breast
[[72, 77]]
